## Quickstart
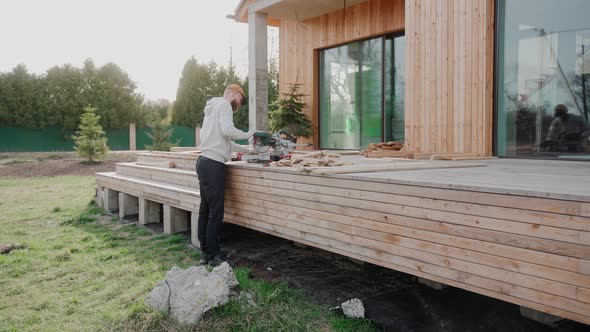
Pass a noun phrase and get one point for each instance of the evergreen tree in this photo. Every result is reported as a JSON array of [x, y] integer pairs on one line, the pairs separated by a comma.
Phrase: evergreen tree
[[287, 113], [194, 89], [90, 140], [160, 135], [57, 98], [198, 84]]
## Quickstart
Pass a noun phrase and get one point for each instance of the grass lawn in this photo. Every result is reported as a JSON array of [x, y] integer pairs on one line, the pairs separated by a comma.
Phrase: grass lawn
[[80, 270]]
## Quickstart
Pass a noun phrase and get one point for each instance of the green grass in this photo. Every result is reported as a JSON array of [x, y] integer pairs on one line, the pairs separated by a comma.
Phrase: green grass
[[80, 270]]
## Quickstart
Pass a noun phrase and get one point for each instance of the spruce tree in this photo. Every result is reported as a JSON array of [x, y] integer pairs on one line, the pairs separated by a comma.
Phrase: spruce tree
[[288, 113], [160, 135], [90, 141]]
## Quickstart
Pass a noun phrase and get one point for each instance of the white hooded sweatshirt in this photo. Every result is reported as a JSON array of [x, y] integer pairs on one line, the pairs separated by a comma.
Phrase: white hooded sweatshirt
[[218, 131]]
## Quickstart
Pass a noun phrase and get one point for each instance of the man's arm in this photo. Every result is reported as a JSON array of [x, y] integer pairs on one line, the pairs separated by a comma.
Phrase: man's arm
[[239, 148], [226, 122]]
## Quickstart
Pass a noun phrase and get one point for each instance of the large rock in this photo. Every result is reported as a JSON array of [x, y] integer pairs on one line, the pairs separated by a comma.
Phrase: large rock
[[188, 294], [353, 308], [225, 272], [159, 297]]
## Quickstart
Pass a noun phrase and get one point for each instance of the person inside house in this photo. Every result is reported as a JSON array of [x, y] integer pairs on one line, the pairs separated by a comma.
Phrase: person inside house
[[217, 133], [567, 132]]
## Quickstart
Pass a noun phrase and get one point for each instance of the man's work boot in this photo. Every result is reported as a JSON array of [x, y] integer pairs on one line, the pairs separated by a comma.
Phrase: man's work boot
[[204, 257], [218, 259]]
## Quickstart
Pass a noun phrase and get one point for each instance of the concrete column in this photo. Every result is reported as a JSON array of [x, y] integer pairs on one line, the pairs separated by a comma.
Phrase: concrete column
[[432, 284], [197, 136], [194, 229], [99, 197], [538, 316], [149, 212], [132, 137], [257, 71], [110, 199], [128, 205], [175, 220]]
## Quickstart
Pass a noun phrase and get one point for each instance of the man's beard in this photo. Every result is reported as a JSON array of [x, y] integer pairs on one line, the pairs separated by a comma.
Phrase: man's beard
[[235, 105]]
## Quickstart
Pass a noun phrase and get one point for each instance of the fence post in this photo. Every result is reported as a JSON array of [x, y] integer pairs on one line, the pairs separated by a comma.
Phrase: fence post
[[132, 140], [197, 136]]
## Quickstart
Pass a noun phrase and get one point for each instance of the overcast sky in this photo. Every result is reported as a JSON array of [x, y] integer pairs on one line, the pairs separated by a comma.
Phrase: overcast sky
[[150, 39]]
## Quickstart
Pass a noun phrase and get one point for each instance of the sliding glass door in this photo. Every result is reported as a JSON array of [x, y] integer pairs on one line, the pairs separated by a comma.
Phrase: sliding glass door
[[543, 78], [358, 93], [395, 87]]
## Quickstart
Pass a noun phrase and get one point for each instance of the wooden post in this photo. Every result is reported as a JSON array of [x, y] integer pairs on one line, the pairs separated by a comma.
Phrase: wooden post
[[99, 197], [132, 137], [110, 199], [149, 212], [175, 220], [128, 205], [194, 229]]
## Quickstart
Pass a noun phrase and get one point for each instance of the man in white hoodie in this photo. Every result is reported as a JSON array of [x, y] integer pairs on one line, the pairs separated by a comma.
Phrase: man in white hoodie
[[217, 133]]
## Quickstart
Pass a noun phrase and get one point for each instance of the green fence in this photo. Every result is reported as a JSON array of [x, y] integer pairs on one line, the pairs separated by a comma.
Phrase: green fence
[[54, 139], [186, 135]]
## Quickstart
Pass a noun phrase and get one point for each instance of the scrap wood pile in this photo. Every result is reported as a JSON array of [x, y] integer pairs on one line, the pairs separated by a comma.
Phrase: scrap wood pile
[[313, 159], [385, 149], [397, 150]]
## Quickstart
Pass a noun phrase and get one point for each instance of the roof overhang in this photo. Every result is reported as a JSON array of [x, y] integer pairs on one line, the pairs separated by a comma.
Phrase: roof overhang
[[278, 10]]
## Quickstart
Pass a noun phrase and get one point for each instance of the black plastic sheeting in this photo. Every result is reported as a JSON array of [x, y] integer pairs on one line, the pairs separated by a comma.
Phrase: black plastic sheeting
[[393, 300]]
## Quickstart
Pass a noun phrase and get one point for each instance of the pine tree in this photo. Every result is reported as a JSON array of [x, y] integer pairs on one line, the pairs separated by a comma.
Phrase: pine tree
[[90, 141], [287, 113], [160, 135]]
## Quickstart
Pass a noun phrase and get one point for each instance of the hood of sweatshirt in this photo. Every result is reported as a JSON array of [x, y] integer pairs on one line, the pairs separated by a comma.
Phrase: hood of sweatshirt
[[211, 103]]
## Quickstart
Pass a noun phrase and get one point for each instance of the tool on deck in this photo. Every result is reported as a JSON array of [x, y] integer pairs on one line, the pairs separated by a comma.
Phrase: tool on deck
[[284, 146], [269, 147], [262, 143]]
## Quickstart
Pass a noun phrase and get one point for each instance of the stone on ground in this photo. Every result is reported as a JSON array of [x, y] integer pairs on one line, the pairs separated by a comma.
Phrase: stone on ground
[[188, 294], [6, 248], [159, 298], [353, 308], [225, 272]]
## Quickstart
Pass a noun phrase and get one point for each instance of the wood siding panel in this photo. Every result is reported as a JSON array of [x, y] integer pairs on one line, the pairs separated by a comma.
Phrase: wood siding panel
[[449, 75], [299, 40], [449, 106]]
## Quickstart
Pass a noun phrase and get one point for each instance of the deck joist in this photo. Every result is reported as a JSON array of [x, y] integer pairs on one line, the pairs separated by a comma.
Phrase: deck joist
[[522, 245]]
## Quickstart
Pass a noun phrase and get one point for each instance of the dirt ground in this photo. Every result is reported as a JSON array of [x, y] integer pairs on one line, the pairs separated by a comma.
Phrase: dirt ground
[[27, 164], [393, 300]]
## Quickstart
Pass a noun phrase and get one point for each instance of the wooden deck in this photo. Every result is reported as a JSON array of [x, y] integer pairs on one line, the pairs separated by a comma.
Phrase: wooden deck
[[515, 230]]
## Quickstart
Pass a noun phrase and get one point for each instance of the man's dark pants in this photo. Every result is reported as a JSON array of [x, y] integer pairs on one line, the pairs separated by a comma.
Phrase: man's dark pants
[[211, 184]]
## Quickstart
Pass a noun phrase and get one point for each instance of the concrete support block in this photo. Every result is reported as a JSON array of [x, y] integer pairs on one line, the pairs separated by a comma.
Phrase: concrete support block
[[539, 316], [128, 205], [110, 199], [99, 200], [194, 229], [132, 137], [257, 71], [149, 212], [432, 284], [175, 220]]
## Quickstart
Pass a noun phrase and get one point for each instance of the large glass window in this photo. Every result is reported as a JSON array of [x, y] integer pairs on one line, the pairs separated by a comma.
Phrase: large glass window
[[395, 85], [543, 78], [358, 88]]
